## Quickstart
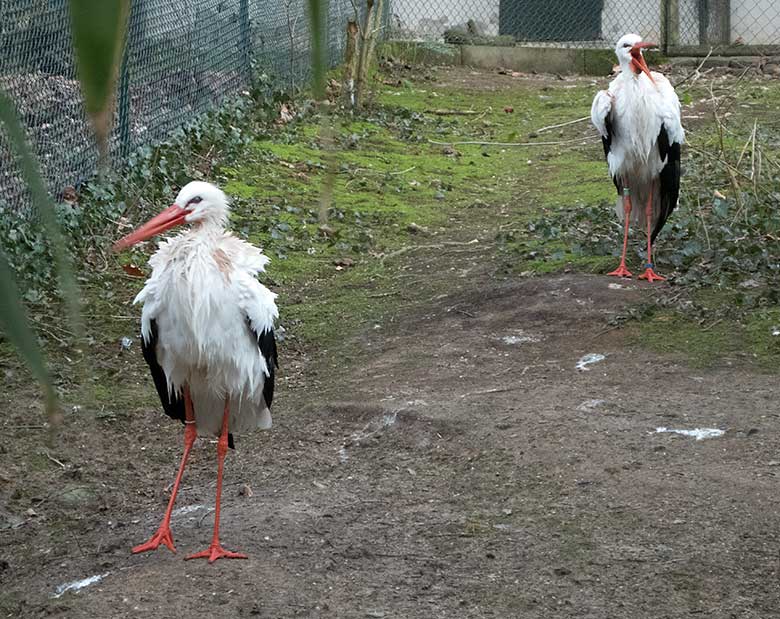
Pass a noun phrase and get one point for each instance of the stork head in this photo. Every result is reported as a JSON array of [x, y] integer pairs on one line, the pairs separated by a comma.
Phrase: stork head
[[629, 52], [198, 203]]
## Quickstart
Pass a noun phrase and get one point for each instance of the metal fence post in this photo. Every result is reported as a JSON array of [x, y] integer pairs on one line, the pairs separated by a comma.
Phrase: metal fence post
[[246, 37], [670, 24], [123, 96]]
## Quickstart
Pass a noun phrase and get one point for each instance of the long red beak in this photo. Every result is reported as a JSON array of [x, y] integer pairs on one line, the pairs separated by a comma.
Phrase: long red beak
[[638, 62], [172, 216]]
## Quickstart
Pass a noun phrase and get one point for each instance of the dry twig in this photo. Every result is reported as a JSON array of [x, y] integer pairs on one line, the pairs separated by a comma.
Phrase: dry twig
[[566, 124], [582, 142]]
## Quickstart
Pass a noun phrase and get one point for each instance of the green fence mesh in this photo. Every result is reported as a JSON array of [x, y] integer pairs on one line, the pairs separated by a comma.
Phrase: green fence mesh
[[182, 58]]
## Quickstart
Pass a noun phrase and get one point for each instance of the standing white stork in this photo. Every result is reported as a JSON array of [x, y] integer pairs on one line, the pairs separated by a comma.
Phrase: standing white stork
[[207, 334], [638, 118]]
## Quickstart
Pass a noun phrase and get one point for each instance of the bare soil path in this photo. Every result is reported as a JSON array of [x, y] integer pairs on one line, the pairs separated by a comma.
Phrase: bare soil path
[[452, 461], [446, 459]]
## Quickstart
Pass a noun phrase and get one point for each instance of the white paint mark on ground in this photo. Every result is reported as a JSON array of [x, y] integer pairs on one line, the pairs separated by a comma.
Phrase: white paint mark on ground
[[589, 359], [388, 419], [186, 509], [371, 428], [521, 338], [589, 405], [697, 433], [77, 585]]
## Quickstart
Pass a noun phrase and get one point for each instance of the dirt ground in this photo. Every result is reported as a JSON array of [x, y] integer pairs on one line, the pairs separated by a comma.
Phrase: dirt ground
[[447, 459], [450, 462]]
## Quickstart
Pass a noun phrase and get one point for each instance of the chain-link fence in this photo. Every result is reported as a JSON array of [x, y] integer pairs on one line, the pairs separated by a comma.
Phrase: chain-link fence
[[182, 58], [679, 26]]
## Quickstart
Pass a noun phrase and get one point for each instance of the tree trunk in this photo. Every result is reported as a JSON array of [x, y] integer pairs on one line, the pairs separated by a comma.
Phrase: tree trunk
[[363, 60], [349, 61], [375, 28]]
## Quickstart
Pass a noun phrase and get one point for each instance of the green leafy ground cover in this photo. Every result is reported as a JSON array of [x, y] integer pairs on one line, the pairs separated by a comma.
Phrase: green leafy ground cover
[[403, 180]]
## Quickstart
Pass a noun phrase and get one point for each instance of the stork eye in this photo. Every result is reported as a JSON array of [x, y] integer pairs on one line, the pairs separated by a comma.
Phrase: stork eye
[[626, 44], [195, 200]]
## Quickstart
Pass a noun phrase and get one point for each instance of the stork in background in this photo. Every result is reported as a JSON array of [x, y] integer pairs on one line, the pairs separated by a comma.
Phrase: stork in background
[[207, 334], [638, 118]]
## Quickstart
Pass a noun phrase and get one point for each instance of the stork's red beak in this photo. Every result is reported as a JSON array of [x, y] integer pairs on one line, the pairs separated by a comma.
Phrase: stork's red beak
[[172, 216], [637, 60]]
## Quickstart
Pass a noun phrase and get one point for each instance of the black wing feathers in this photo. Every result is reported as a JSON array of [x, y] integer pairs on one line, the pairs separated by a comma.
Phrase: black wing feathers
[[606, 142], [669, 179], [172, 405], [266, 342]]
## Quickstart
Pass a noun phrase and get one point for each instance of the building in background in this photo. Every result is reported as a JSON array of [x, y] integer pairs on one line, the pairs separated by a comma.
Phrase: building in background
[[595, 23]]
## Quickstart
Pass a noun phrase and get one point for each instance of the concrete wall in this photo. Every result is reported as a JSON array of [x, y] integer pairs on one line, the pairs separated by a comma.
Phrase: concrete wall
[[426, 19]]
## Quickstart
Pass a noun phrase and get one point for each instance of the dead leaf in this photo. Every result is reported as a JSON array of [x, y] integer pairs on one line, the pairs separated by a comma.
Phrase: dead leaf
[[133, 271], [326, 230], [286, 114], [69, 195]]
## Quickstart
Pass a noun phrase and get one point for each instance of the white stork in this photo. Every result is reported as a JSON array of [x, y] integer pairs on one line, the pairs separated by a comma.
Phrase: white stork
[[207, 334], [638, 118]]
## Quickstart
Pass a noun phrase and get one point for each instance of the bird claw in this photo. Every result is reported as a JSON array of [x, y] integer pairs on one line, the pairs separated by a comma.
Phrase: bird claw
[[652, 276], [621, 271], [214, 552], [163, 536]]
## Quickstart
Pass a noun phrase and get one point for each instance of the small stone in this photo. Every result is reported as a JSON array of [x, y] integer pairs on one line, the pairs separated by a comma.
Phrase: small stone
[[417, 229], [326, 230], [77, 496], [245, 490]]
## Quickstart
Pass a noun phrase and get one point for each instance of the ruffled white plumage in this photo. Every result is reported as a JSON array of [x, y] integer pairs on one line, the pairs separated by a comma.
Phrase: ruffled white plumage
[[204, 295], [635, 109]]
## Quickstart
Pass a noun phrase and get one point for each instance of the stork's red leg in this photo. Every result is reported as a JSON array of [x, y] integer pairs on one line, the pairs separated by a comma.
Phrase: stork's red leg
[[622, 271], [649, 274], [215, 550], [163, 534]]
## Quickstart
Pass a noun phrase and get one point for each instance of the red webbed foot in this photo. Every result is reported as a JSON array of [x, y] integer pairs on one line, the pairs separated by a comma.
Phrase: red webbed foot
[[163, 536], [650, 275], [214, 552], [621, 271]]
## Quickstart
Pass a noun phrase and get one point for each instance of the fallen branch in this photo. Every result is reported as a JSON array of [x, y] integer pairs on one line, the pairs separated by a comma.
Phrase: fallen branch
[[408, 248], [453, 112], [695, 71], [53, 459], [583, 141], [487, 391], [402, 171], [566, 124]]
